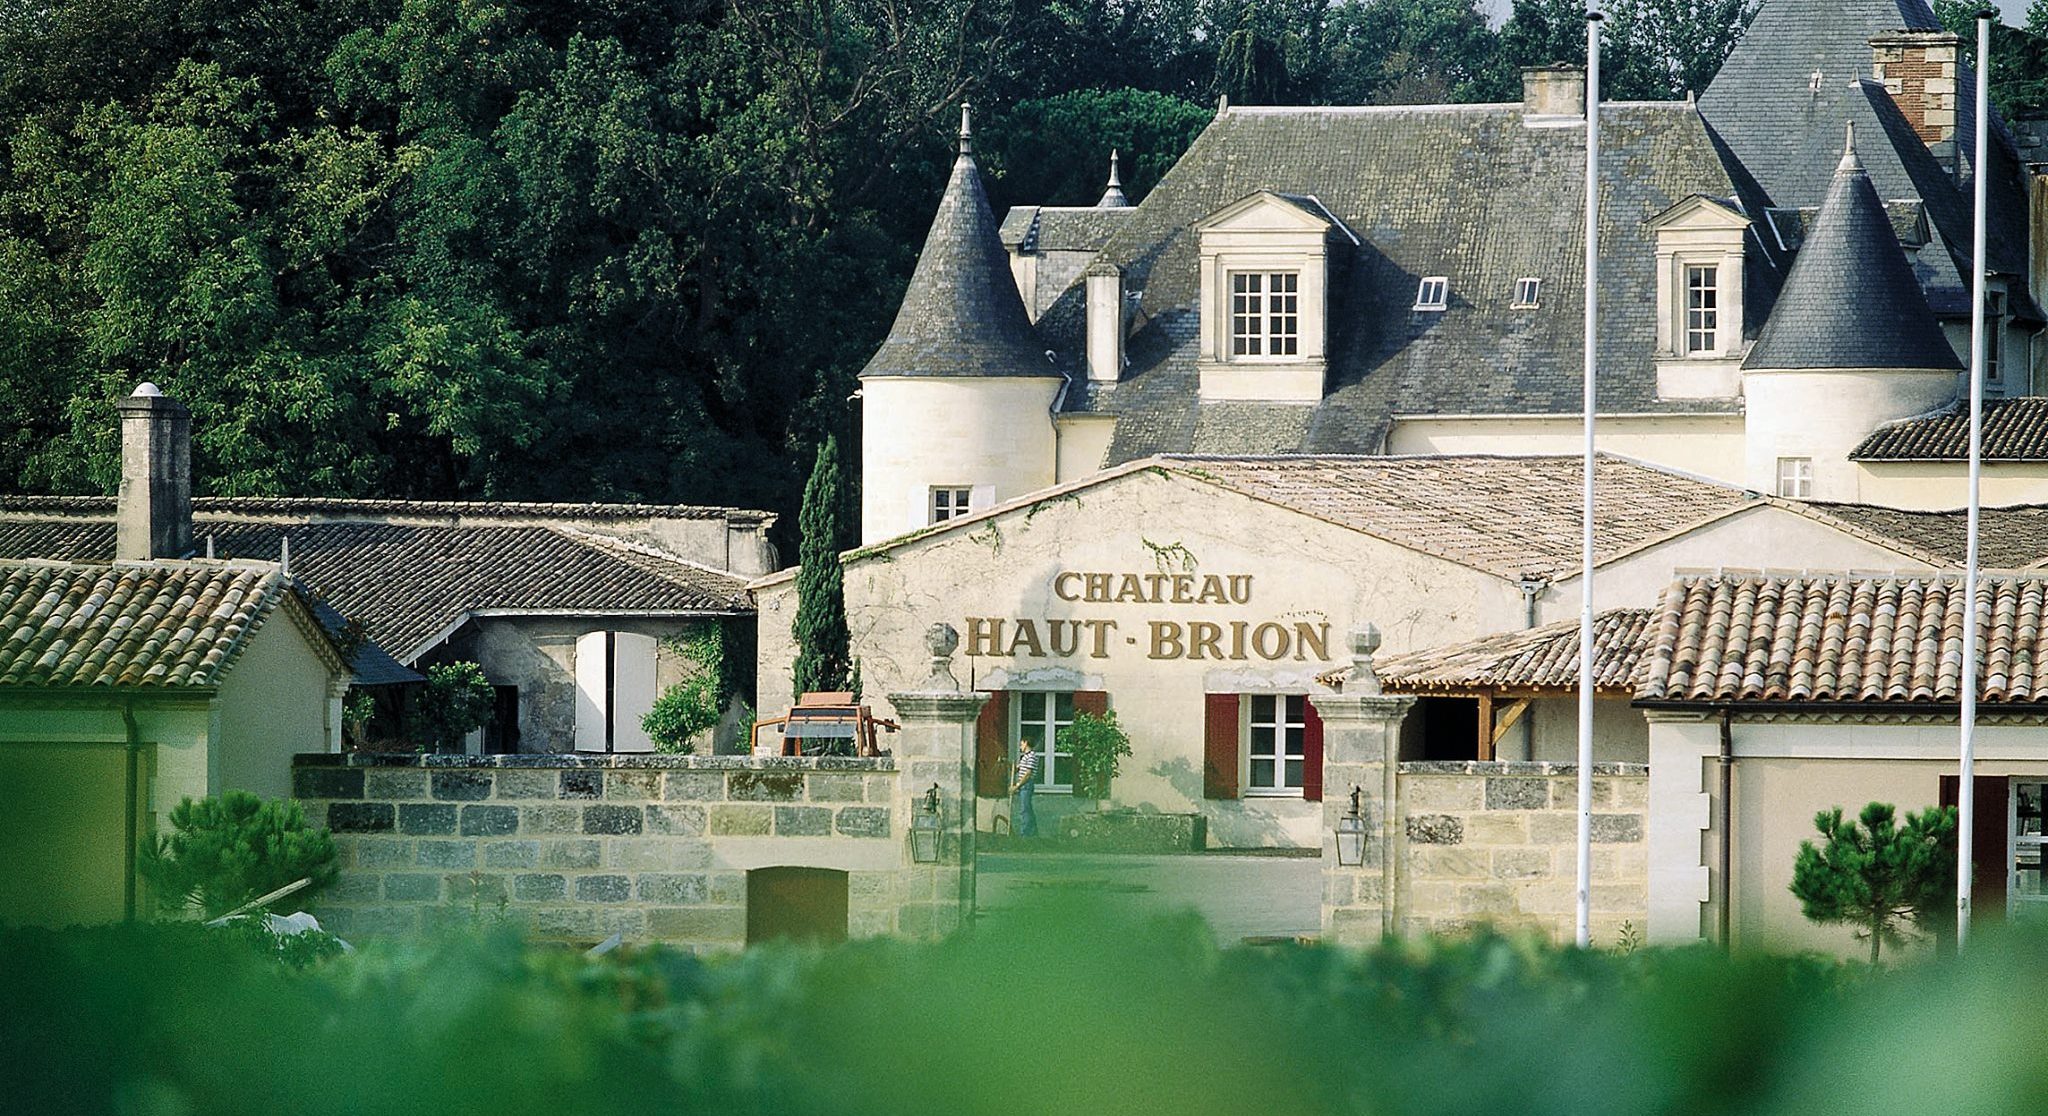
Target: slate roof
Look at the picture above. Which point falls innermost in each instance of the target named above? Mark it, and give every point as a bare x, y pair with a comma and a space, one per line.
1505, 515
1534, 660
2014, 430
409, 584
1463, 191
961, 314
1047, 228
1843, 638
1763, 104
158, 625
1851, 300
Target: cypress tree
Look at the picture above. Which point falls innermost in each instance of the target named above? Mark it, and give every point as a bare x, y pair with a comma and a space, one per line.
823, 658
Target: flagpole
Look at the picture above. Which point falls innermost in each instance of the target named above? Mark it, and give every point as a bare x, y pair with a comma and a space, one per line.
1585, 876
1966, 787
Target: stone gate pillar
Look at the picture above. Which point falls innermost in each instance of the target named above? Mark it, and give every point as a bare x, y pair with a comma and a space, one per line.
1361, 751
935, 748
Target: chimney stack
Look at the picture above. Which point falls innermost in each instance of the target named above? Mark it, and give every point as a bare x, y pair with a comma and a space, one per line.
1103, 286
1555, 93
154, 512
1919, 69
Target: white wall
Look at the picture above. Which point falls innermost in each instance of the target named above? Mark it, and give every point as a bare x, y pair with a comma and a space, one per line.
1705, 445
993, 432
272, 705
1944, 485
1826, 414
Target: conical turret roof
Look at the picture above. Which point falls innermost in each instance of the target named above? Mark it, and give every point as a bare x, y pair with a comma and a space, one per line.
961, 315
1851, 300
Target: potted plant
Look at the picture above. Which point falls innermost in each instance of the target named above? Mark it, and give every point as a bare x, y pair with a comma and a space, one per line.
1098, 745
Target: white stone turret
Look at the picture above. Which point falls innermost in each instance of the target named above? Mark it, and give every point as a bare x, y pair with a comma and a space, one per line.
958, 400
1851, 344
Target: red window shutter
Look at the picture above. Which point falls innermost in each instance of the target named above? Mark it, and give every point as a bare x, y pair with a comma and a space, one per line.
1987, 843
1311, 752
992, 746
1219, 746
1094, 702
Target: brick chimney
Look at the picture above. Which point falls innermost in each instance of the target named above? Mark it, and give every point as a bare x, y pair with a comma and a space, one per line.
153, 517
1554, 93
1918, 69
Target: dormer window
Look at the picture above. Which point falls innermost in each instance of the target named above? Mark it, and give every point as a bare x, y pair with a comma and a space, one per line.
1264, 298
1526, 290
1265, 313
1702, 308
1433, 294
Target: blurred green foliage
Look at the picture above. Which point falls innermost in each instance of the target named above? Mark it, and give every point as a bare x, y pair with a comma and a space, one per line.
1051, 1011
455, 701
222, 852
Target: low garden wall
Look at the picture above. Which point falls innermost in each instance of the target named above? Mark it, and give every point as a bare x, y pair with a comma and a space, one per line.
1498, 843
577, 848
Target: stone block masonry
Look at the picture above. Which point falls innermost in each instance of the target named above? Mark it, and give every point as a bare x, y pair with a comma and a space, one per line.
1497, 843
576, 848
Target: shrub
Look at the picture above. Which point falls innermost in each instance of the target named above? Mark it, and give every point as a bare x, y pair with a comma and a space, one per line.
1874, 875
695, 704
454, 702
223, 852
1099, 745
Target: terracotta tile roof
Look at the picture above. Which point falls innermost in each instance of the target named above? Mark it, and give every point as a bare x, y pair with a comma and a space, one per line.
159, 624
408, 584
1506, 515
1893, 639
1545, 658
2014, 430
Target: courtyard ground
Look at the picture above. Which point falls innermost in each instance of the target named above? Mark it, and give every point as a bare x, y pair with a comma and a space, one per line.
1240, 896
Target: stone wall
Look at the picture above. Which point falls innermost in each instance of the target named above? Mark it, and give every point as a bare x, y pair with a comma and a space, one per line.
1497, 843
576, 848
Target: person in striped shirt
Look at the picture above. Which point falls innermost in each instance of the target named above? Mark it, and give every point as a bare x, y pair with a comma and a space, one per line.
1023, 822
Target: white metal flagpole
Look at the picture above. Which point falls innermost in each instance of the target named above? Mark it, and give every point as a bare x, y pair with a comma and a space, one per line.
1966, 787
1585, 889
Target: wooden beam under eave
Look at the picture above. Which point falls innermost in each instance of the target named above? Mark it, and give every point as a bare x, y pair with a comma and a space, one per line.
1511, 714
1487, 737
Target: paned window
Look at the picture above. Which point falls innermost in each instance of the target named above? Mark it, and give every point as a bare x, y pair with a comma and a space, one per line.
1276, 744
2025, 894
1795, 477
1994, 313
1526, 290
949, 502
1040, 717
1702, 307
1433, 294
1265, 313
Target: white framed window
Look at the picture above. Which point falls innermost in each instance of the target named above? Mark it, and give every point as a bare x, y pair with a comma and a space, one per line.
1527, 288
1434, 293
1276, 743
949, 502
2026, 895
1795, 477
1265, 313
1702, 307
1041, 715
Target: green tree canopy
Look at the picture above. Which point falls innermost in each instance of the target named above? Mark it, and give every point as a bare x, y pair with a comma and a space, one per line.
823, 658
1876, 876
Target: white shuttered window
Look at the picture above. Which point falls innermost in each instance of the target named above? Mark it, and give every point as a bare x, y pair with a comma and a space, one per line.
614, 690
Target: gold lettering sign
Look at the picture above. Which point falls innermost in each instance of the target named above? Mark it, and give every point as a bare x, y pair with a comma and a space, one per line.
1195, 640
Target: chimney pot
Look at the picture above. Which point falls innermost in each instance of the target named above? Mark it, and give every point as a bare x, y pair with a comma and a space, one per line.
1553, 94
153, 517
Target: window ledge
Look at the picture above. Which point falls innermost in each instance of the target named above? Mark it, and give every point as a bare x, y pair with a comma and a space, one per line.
1258, 792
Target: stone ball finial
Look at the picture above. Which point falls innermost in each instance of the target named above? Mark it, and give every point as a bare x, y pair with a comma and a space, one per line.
941, 640
146, 389
1365, 640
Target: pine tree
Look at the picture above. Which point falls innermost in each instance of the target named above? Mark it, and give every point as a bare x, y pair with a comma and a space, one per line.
823, 658
1874, 875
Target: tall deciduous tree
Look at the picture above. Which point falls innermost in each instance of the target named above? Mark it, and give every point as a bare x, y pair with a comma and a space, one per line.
1876, 876
823, 657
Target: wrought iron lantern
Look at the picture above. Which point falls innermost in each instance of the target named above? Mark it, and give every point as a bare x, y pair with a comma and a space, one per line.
924, 828
1351, 833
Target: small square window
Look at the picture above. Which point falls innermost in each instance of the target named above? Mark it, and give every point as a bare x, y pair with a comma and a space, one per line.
1795, 477
1265, 313
1702, 308
950, 502
1526, 290
1433, 294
